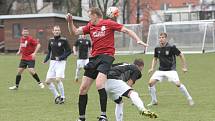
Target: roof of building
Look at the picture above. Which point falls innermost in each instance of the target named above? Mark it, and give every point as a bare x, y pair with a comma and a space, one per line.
43, 15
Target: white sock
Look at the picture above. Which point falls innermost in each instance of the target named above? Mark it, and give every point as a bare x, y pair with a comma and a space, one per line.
77, 73
183, 89
119, 112
152, 92
137, 101
53, 89
61, 88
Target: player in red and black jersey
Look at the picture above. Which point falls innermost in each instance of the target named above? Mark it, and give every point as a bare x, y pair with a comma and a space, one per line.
28, 49
102, 35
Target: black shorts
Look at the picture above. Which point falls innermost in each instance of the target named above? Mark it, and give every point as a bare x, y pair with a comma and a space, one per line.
101, 63
27, 63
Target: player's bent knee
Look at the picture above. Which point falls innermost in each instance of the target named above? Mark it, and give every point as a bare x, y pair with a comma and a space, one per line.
59, 79
83, 90
152, 83
31, 71
48, 81
118, 101
178, 84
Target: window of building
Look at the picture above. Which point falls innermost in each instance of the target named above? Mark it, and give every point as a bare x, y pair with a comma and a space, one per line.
164, 6
168, 17
175, 17
194, 16
205, 15
17, 30
184, 16
40, 34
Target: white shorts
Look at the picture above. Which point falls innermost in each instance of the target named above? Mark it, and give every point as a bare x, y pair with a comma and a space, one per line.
171, 76
116, 88
56, 69
82, 62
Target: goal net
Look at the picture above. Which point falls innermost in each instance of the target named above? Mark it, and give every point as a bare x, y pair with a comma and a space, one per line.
124, 44
189, 36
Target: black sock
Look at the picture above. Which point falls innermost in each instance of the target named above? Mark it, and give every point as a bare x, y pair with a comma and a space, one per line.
18, 78
36, 78
103, 99
82, 104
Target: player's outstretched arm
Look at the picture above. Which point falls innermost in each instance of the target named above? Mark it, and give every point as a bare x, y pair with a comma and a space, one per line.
19, 51
74, 50
154, 63
48, 54
183, 62
134, 36
71, 27
36, 50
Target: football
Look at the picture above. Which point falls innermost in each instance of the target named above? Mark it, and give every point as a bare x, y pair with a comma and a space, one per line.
112, 12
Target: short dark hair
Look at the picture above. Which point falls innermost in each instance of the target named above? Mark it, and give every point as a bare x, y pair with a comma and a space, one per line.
96, 10
139, 62
163, 33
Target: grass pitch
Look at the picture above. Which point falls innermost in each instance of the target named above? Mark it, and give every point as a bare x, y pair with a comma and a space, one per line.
30, 103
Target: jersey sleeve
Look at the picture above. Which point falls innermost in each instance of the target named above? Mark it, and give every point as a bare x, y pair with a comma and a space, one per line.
156, 52
115, 26
176, 51
67, 51
90, 45
76, 43
67, 46
49, 52
136, 74
86, 29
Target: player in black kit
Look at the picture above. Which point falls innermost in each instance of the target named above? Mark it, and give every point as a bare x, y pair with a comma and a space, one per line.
166, 53
81, 49
121, 77
58, 51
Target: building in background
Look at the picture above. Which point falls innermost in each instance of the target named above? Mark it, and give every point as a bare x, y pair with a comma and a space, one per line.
2, 38
40, 27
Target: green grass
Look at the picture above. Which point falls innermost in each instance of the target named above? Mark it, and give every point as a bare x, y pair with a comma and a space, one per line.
30, 103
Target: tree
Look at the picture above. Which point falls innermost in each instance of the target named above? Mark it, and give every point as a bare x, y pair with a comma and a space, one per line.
5, 6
